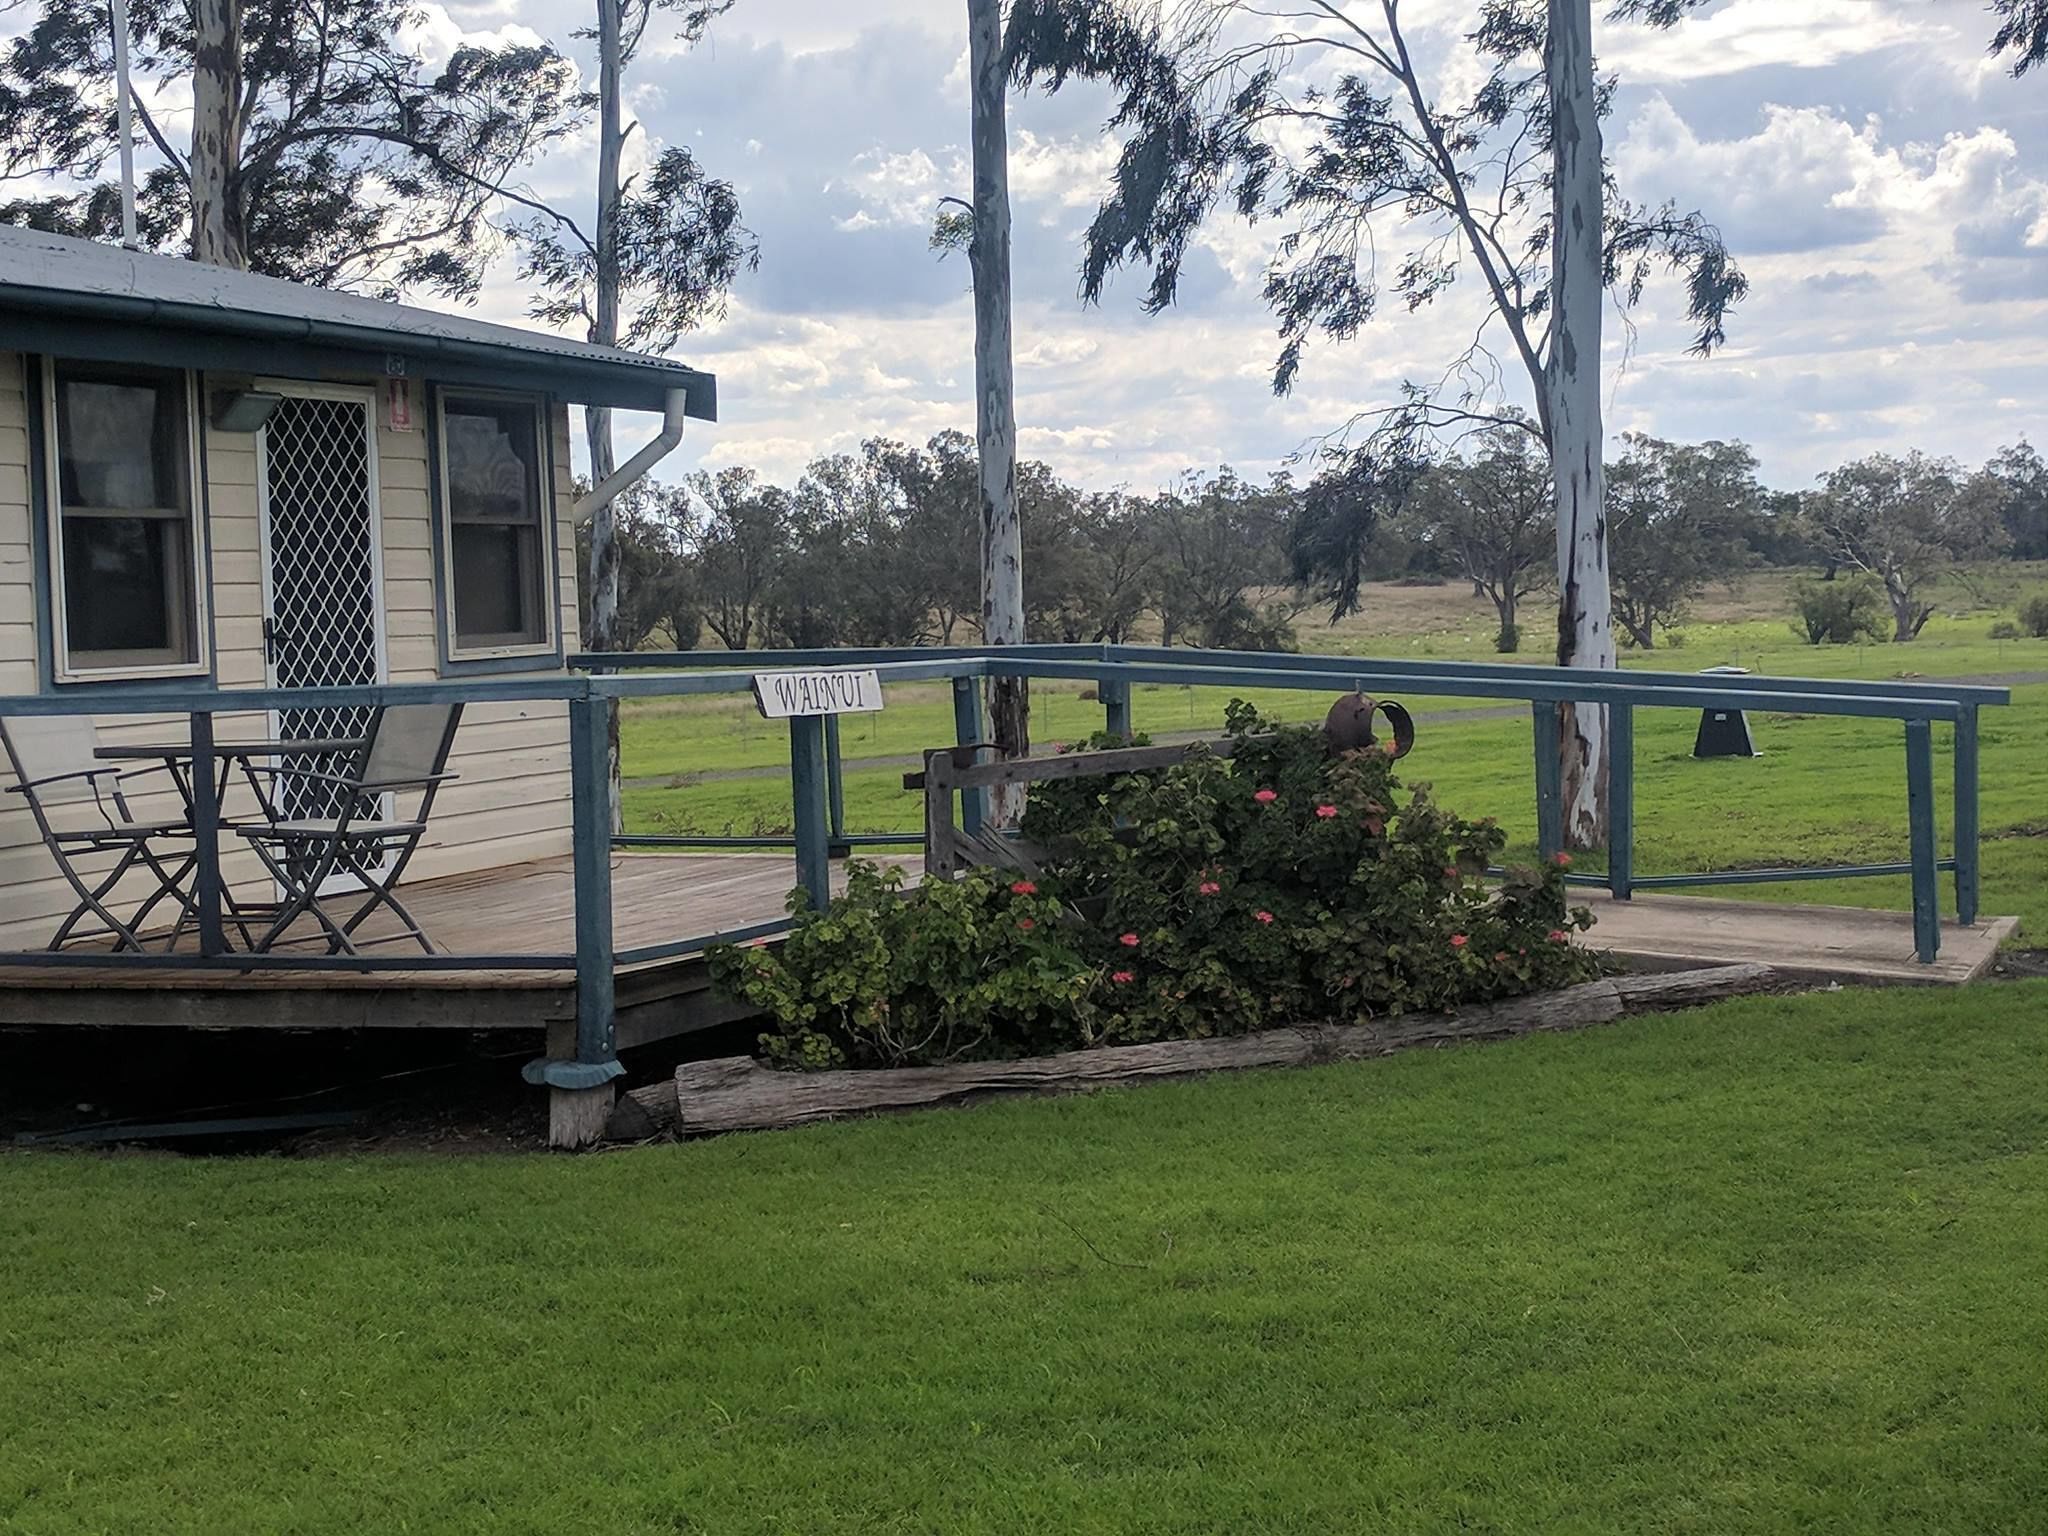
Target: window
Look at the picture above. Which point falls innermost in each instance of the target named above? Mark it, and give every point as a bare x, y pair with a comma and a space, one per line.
497, 543
124, 578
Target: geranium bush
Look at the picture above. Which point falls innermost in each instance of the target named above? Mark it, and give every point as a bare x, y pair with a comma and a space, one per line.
1286, 884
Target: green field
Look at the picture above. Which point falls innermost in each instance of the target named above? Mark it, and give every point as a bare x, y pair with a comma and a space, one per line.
1771, 1266
1826, 790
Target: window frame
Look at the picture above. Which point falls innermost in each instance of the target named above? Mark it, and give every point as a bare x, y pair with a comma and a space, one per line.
546, 580
125, 666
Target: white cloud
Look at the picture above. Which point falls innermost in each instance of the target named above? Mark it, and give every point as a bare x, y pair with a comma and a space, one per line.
1748, 34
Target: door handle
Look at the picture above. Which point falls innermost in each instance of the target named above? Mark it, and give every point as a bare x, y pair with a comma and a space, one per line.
273, 637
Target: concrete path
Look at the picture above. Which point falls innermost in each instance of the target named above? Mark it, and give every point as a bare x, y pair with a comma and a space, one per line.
1813, 943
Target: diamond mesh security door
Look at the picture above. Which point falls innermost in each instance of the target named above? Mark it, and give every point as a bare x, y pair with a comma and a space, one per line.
325, 621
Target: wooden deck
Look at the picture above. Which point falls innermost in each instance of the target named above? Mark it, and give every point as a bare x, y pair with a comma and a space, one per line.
529, 908
520, 909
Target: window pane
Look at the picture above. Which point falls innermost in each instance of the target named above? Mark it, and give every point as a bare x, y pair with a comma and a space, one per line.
496, 586
493, 462
124, 587
118, 442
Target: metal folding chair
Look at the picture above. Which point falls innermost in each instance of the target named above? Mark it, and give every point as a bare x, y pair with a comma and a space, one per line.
404, 751
59, 774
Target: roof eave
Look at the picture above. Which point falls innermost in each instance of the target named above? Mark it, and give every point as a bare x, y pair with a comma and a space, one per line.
636, 384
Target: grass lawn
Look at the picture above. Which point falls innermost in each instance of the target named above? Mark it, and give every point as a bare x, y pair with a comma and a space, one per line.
1771, 1266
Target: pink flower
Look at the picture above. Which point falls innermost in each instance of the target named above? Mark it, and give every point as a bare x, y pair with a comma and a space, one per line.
1326, 811
1023, 888
1026, 924
1562, 860
1266, 797
1500, 957
1559, 936
1450, 871
1128, 940
1123, 978
1459, 941
1264, 917
1208, 887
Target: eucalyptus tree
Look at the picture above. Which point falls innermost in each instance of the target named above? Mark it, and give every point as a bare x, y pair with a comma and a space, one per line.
324, 148
995, 404
1677, 517
1906, 522
2022, 32
658, 259
1318, 116
1492, 515
743, 537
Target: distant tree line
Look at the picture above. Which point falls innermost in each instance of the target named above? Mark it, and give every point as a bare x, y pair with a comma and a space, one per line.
881, 547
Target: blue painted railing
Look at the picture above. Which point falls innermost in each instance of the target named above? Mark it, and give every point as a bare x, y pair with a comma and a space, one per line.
818, 818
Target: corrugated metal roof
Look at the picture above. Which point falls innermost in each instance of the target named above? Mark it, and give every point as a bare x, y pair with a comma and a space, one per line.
44, 276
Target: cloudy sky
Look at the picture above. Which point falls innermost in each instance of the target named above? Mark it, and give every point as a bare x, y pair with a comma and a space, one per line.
1884, 185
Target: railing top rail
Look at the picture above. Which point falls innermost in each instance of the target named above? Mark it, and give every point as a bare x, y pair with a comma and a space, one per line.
1961, 693
1107, 660
695, 672
838, 656
1560, 686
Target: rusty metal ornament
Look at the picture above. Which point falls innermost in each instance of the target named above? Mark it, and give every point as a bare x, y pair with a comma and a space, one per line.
1349, 725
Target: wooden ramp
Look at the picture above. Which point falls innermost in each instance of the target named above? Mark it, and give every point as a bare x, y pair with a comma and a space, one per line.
1813, 943
529, 908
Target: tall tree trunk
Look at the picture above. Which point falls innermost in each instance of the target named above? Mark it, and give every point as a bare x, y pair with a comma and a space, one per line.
1585, 624
216, 156
603, 574
995, 410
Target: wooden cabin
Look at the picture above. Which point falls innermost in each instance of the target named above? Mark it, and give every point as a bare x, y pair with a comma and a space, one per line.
213, 478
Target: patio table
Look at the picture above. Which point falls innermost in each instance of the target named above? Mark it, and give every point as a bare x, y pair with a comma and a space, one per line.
177, 758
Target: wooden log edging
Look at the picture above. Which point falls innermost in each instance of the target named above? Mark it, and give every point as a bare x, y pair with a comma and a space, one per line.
737, 1093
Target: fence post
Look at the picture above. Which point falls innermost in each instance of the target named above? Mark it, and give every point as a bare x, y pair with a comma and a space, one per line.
807, 794
1920, 822
1549, 780
968, 732
206, 835
1116, 707
1621, 800
835, 791
1966, 814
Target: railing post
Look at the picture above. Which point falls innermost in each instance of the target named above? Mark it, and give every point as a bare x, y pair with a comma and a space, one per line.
1549, 780
1920, 823
1621, 800
580, 1087
967, 731
807, 796
835, 791
1966, 814
206, 835
1116, 707
596, 1041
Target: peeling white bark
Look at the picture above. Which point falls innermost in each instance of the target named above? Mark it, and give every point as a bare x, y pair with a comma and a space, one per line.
216, 133
995, 414
1585, 620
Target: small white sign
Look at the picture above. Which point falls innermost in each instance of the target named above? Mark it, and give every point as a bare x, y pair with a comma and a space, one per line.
782, 694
